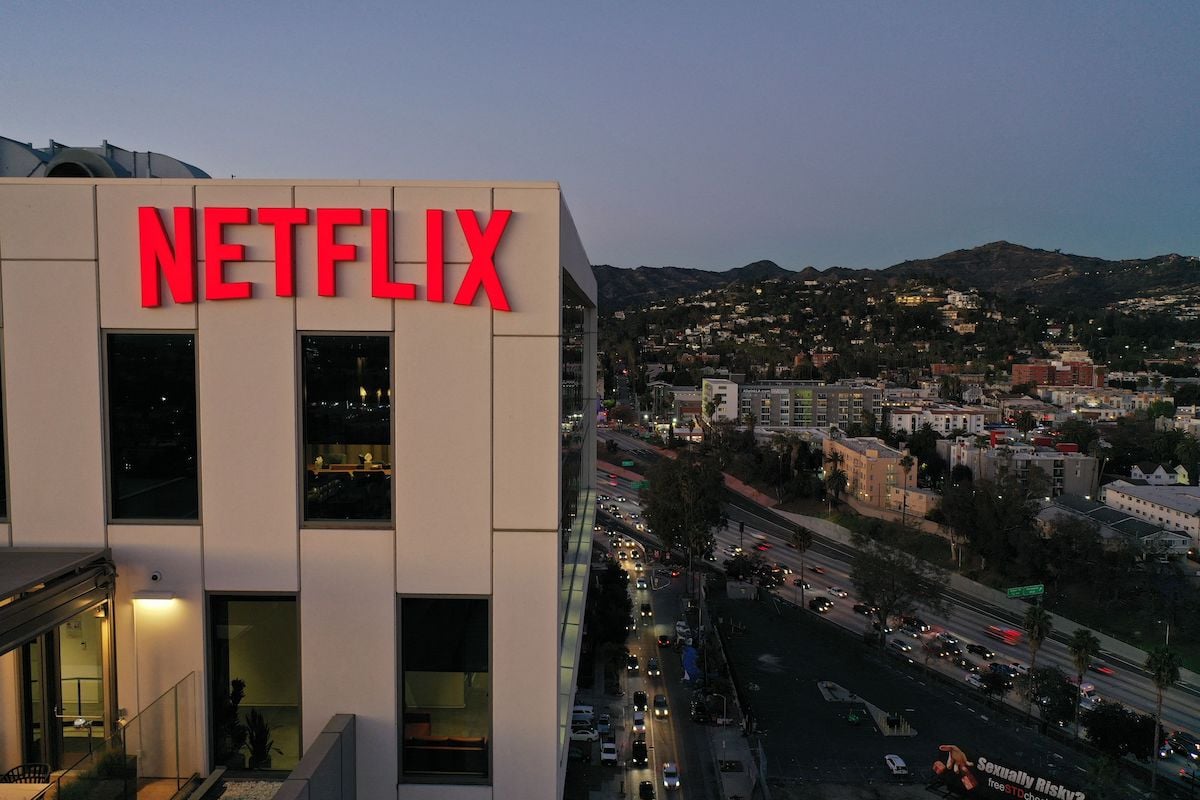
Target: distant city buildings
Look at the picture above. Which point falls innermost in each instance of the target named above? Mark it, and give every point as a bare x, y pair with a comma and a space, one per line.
1058, 373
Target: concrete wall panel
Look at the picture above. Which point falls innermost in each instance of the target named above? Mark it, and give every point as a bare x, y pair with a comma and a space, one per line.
348, 645
347, 311
442, 494
117, 206
52, 394
527, 261
526, 442
249, 490
409, 223
50, 221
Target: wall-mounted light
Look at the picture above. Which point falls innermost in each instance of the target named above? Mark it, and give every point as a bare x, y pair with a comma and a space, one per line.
153, 598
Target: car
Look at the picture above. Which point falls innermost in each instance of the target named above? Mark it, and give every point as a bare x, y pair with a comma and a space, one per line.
896, 765
820, 604
1102, 668
784, 568
981, 651
899, 644
1189, 775
676, 572
639, 722
631, 663
604, 725
609, 753
637, 565
660, 706
973, 680
597, 527
864, 609
909, 630
838, 591
762, 547
664, 640
946, 637
621, 554
916, 622
646, 790
621, 498
647, 611
803, 584
965, 663
642, 583
584, 735
635, 555
640, 701
817, 569
1185, 744
652, 668
670, 776
888, 628
637, 752
631, 623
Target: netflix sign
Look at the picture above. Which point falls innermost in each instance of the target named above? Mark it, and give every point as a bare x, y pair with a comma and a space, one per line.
173, 262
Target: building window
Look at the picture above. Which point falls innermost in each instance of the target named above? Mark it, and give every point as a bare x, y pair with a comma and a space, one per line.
254, 644
152, 426
445, 686
347, 427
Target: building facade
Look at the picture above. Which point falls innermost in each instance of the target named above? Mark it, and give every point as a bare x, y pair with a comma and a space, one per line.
1175, 508
809, 404
943, 418
873, 472
235, 395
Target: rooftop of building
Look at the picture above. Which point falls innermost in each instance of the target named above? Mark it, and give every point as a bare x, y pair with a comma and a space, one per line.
1185, 499
868, 446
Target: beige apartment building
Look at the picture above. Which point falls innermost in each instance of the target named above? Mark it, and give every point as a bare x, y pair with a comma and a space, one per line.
873, 472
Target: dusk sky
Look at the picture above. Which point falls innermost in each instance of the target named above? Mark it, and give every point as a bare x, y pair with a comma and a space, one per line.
691, 134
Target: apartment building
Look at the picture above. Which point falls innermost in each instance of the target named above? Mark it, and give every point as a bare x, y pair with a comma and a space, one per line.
719, 400
873, 472
944, 418
1059, 373
311, 448
1176, 508
809, 404
1066, 472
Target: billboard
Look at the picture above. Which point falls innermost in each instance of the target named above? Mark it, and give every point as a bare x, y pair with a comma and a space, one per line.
989, 777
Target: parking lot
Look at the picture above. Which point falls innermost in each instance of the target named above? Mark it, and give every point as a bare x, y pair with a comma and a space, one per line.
782, 654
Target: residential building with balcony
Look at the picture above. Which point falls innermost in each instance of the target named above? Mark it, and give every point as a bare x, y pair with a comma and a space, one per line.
943, 418
1066, 472
873, 472
810, 404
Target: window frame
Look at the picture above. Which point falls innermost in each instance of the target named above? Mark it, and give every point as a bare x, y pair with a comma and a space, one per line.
107, 436
301, 463
447, 779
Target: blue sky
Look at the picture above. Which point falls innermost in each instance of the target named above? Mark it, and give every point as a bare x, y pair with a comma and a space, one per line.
691, 134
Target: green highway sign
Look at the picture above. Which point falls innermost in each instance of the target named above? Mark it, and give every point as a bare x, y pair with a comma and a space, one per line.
1027, 591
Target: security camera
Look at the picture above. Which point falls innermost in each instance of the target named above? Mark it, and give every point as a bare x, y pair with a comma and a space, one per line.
156, 576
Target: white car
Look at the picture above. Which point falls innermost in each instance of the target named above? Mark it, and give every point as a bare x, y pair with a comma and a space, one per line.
896, 765
838, 591
584, 735
973, 680
670, 776
609, 753
642, 583
639, 722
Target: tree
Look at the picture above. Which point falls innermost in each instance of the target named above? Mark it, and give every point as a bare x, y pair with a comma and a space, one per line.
1083, 646
742, 567
1025, 423
1163, 666
906, 464
683, 504
995, 685
802, 539
895, 583
1055, 695
1115, 730
1037, 624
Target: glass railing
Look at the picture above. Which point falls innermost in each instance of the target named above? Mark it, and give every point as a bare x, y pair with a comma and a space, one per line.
152, 755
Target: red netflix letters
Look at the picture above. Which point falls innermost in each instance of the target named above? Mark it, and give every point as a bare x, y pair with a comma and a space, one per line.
175, 261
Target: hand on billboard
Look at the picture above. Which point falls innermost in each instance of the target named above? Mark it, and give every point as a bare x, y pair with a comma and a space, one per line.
958, 763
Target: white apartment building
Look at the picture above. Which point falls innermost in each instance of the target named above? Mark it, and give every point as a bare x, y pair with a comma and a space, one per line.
1175, 508
290, 450
942, 417
719, 400
1067, 473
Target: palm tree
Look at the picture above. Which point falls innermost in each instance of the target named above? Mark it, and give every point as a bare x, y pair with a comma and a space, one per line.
1084, 646
802, 539
1037, 627
1163, 666
906, 464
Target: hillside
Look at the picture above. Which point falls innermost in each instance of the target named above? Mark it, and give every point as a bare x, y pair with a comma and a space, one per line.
1051, 277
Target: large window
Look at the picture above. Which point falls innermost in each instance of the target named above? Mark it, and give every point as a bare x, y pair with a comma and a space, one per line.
446, 687
152, 426
254, 692
347, 428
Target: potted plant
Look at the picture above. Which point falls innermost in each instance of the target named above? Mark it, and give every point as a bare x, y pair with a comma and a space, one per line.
231, 738
258, 741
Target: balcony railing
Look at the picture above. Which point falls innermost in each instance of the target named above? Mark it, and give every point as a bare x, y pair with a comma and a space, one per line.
155, 754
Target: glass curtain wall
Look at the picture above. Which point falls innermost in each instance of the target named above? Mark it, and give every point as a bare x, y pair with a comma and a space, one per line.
255, 682
152, 426
347, 427
446, 687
